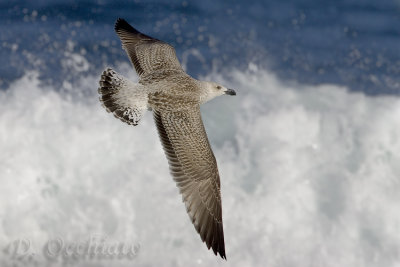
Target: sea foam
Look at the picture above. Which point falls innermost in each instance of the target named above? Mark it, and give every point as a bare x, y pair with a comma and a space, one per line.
309, 176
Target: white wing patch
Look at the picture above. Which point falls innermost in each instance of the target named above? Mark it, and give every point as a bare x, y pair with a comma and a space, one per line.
132, 115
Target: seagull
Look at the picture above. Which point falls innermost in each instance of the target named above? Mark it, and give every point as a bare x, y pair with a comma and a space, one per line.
174, 98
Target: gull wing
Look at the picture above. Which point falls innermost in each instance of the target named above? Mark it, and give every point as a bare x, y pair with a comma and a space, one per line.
147, 54
194, 169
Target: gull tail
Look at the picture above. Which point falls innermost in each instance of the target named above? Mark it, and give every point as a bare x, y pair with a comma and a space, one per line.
125, 99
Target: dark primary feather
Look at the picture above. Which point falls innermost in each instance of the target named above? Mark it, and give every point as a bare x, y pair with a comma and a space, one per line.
147, 54
122, 25
194, 168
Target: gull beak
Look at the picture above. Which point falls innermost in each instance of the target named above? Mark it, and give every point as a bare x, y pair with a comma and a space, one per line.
230, 92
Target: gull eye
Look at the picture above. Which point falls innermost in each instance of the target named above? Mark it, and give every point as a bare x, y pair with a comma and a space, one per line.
218, 87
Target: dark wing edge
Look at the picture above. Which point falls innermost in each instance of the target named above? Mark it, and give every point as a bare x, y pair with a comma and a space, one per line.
130, 37
146, 53
122, 25
201, 196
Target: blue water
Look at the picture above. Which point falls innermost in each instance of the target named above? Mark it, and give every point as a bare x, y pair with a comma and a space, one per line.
352, 43
308, 150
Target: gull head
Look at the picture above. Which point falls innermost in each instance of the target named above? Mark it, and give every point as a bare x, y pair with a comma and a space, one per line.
212, 89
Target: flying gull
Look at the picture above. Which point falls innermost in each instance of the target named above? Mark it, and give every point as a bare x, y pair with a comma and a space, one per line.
175, 99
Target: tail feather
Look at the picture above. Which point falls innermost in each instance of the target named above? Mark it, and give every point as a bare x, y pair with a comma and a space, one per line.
125, 99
